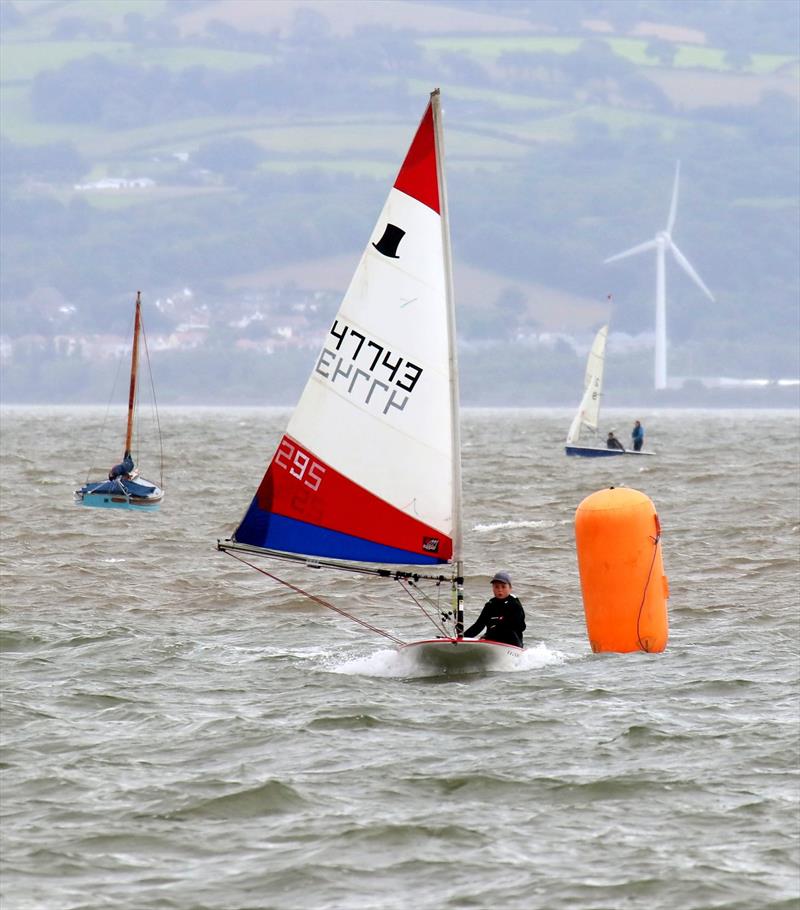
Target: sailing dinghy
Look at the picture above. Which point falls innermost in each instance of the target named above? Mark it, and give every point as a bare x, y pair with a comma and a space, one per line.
369, 469
124, 488
589, 409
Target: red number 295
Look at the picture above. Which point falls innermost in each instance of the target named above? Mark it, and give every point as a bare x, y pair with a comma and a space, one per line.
300, 465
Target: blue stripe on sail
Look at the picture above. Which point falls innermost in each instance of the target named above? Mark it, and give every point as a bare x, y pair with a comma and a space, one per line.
276, 532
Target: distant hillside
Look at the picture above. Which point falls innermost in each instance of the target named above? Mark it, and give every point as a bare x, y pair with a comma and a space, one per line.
486, 301
233, 148
345, 17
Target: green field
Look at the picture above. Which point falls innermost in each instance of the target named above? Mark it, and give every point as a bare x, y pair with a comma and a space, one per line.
42, 16
119, 200
688, 56
332, 141
23, 61
506, 122
511, 101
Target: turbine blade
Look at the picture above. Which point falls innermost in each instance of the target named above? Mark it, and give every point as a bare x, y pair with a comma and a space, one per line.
648, 245
684, 263
673, 207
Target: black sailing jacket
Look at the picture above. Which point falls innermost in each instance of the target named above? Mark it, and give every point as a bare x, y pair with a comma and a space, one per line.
504, 620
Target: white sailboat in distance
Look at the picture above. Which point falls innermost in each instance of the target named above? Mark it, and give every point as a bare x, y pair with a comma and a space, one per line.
587, 416
369, 469
661, 243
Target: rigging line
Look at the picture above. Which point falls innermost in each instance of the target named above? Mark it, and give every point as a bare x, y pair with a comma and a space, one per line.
655, 540
136, 441
421, 607
101, 434
319, 600
434, 604
155, 408
438, 626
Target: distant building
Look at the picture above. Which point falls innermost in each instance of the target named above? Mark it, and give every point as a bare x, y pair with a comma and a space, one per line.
118, 183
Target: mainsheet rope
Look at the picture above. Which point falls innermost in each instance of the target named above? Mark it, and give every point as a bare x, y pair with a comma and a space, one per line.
320, 601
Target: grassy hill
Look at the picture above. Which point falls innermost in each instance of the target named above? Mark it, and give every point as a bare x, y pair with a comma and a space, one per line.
181, 39
270, 131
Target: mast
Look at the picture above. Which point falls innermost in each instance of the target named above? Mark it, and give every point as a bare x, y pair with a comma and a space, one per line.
455, 426
134, 366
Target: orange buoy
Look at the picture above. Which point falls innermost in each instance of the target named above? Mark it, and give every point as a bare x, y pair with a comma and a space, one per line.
625, 591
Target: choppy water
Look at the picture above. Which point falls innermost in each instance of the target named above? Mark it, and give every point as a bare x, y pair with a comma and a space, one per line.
180, 732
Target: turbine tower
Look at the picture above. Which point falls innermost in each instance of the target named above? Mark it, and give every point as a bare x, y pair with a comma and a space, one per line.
661, 243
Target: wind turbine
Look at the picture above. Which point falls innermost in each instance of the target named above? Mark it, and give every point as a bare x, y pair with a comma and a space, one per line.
661, 243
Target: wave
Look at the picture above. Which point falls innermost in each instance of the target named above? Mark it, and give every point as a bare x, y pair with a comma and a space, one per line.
268, 798
514, 525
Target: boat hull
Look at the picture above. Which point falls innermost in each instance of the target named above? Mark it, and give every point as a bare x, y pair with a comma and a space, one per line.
139, 496
598, 452
462, 655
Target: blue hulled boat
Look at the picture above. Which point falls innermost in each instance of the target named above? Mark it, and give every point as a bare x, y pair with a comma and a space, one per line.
124, 488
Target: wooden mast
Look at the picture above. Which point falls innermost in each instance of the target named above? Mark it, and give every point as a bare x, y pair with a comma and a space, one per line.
134, 366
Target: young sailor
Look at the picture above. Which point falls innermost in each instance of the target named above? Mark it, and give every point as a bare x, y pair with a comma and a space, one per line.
502, 616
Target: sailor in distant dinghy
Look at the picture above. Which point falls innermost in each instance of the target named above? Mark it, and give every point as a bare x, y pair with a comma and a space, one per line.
124, 469
613, 443
637, 435
502, 616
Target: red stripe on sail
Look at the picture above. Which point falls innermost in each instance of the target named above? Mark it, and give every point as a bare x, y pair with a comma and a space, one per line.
418, 176
298, 485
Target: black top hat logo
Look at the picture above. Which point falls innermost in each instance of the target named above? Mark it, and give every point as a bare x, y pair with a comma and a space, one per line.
390, 241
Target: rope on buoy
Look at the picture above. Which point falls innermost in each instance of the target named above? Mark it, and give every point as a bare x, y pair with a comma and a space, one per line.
656, 541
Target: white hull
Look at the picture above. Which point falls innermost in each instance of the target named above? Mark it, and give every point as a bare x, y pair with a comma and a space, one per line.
464, 655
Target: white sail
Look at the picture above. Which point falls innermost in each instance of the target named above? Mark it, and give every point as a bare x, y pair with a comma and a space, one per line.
369, 468
589, 409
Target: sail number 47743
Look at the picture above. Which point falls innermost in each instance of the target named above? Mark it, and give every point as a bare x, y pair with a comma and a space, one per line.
360, 369
299, 464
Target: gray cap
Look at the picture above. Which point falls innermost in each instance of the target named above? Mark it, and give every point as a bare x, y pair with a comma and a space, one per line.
502, 576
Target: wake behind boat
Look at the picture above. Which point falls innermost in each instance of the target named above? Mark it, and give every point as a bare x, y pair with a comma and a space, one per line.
588, 413
124, 488
369, 469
